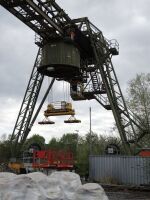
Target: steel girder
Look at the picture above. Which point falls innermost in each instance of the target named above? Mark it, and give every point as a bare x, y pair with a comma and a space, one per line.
46, 18
25, 121
19, 134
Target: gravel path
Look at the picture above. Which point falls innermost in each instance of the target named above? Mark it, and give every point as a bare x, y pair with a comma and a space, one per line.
134, 195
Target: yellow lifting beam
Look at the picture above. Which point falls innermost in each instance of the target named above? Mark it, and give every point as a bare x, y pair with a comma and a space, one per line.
59, 108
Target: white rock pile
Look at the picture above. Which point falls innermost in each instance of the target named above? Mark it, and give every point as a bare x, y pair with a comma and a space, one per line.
57, 186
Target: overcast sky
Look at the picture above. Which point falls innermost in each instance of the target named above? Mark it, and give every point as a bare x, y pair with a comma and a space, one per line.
127, 21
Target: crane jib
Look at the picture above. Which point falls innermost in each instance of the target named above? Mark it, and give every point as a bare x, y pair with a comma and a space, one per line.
46, 20
37, 15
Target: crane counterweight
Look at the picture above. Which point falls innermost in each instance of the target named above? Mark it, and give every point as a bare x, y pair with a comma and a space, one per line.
60, 59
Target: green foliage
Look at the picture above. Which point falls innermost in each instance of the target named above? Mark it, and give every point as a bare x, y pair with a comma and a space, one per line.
139, 96
77, 144
53, 144
69, 141
139, 103
82, 160
38, 139
5, 152
98, 143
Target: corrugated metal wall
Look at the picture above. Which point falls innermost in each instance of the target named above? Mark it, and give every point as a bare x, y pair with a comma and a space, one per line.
129, 170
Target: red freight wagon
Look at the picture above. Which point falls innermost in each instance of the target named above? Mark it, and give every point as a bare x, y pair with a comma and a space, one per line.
53, 159
145, 152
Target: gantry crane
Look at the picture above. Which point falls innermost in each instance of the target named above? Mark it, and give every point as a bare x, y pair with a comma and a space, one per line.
73, 50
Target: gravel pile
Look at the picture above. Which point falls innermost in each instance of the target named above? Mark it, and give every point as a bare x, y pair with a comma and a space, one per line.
57, 186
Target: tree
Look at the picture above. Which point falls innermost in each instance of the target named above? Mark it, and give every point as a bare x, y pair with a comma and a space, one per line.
139, 100
53, 144
35, 139
82, 159
5, 152
96, 142
69, 141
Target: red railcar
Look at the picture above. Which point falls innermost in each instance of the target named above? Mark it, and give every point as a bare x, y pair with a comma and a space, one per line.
145, 152
53, 159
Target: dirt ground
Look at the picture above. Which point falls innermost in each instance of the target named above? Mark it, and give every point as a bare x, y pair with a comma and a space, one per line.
129, 195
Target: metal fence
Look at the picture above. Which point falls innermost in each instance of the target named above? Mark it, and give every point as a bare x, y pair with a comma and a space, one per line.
128, 170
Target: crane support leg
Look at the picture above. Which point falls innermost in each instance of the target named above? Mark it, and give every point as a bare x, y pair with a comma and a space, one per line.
27, 106
114, 95
38, 110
